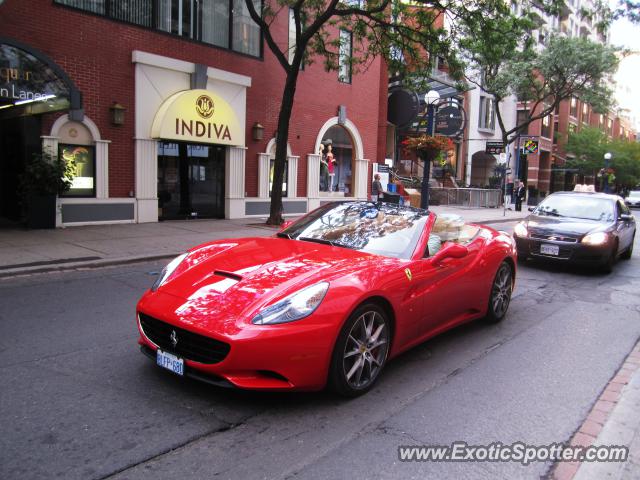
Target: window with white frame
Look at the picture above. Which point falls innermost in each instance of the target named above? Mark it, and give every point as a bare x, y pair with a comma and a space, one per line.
573, 107
487, 118
344, 59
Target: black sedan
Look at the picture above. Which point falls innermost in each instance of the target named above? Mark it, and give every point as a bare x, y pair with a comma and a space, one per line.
583, 228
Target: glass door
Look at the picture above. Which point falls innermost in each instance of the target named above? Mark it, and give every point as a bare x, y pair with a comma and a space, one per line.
190, 181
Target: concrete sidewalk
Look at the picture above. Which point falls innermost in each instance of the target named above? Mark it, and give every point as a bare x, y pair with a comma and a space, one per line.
34, 251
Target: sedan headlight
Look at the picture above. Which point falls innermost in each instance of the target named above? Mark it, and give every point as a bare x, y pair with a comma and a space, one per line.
520, 230
166, 271
597, 238
294, 307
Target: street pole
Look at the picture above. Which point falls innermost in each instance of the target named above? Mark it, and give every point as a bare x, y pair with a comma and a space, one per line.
607, 157
431, 98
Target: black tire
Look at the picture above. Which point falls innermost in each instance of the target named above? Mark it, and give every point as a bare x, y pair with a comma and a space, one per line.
629, 251
500, 297
607, 266
356, 364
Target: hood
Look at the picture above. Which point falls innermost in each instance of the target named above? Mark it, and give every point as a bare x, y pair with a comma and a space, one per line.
225, 281
571, 226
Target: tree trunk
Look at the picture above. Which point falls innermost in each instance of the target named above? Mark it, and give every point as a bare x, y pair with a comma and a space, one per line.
275, 212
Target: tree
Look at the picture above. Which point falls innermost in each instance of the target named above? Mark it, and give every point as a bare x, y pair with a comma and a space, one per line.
400, 32
588, 147
503, 61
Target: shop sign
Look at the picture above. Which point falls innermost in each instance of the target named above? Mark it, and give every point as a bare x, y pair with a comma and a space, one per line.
28, 85
494, 148
530, 146
197, 116
450, 120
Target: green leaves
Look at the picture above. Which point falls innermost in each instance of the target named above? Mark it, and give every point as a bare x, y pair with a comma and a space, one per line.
588, 146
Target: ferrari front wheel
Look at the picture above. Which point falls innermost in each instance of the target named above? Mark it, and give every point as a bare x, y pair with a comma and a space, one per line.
501, 290
361, 351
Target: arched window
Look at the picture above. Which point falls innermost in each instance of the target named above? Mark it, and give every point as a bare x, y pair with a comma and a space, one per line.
337, 164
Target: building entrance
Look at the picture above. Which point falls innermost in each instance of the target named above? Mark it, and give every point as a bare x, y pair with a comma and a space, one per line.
190, 180
19, 140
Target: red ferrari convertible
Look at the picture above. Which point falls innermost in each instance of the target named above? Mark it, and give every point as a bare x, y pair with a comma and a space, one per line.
327, 301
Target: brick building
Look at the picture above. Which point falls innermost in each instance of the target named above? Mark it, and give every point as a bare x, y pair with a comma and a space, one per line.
170, 111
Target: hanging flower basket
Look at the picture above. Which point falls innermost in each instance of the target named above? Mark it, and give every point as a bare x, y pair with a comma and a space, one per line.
424, 143
427, 147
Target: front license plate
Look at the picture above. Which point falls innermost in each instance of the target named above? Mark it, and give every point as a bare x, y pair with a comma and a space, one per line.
547, 249
170, 362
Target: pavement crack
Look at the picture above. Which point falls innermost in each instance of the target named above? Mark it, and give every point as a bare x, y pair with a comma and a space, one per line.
195, 439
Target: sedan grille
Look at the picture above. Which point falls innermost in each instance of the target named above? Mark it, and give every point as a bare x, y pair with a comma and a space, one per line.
554, 237
183, 343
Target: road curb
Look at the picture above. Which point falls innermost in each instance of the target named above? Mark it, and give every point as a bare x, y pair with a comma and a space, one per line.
67, 265
595, 421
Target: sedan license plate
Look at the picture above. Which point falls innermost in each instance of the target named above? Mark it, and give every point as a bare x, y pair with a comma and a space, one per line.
170, 362
547, 249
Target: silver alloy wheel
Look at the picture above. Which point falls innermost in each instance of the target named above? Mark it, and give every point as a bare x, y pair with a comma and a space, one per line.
501, 291
365, 350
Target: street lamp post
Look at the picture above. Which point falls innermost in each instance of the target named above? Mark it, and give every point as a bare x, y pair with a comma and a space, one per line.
605, 183
431, 99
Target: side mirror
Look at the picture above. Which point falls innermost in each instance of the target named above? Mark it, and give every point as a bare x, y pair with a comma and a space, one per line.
625, 217
453, 250
531, 209
285, 225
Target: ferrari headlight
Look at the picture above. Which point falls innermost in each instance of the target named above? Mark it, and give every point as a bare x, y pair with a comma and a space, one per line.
295, 307
597, 238
166, 271
520, 230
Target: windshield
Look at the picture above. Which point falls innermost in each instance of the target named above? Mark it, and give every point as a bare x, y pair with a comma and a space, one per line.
378, 228
634, 194
577, 206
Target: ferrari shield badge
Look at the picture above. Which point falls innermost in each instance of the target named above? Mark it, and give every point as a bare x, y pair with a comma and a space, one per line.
408, 273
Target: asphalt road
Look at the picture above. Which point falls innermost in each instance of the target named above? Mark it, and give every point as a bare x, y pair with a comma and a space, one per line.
79, 401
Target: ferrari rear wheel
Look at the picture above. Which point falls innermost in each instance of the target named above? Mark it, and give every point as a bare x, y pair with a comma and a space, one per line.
361, 351
500, 294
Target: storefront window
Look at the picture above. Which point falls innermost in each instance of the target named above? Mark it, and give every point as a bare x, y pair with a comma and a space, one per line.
285, 178
336, 166
82, 160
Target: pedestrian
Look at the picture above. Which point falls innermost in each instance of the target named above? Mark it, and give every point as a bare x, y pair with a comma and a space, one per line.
521, 192
376, 188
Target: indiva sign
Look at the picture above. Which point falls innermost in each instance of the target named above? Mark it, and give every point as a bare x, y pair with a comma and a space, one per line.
200, 129
200, 116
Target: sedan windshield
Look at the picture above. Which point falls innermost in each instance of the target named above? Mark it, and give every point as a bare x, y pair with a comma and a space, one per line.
577, 206
378, 228
634, 194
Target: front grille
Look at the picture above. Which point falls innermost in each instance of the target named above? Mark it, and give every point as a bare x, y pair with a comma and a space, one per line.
190, 345
554, 237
